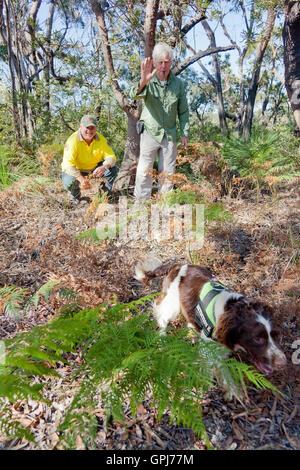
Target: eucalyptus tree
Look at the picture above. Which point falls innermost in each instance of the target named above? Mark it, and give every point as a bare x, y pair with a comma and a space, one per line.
145, 22
17, 20
272, 89
291, 40
257, 18
38, 52
247, 111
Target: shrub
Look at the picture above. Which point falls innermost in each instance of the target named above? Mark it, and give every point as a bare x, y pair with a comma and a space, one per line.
263, 159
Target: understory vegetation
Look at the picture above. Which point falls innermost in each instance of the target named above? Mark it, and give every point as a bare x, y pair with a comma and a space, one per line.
122, 358
107, 350
82, 365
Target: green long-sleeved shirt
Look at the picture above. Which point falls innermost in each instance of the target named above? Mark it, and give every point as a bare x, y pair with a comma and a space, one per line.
161, 106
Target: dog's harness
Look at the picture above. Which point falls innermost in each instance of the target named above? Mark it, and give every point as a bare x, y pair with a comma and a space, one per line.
205, 308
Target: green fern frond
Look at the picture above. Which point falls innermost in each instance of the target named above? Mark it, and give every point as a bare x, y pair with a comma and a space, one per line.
43, 292
13, 297
30, 366
12, 387
124, 359
89, 235
67, 293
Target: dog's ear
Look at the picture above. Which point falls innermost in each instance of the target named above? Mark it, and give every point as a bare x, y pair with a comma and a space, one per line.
263, 309
228, 331
233, 335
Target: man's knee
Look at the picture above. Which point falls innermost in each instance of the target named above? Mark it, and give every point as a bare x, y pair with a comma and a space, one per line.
109, 175
113, 171
71, 184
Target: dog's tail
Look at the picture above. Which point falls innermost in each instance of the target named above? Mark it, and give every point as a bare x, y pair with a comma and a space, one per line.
151, 268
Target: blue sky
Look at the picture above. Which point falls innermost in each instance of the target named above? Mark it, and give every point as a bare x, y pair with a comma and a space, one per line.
197, 37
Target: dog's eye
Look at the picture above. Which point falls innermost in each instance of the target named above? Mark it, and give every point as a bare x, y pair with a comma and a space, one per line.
259, 340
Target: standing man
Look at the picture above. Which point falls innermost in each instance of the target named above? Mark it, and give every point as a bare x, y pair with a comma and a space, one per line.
164, 98
87, 152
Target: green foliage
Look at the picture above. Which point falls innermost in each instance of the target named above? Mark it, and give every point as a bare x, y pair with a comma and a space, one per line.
205, 131
43, 292
3, 52
5, 178
262, 157
15, 164
123, 358
212, 210
13, 297
178, 196
95, 235
216, 212
16, 300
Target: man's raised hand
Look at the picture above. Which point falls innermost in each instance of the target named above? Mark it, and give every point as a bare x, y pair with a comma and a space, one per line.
146, 72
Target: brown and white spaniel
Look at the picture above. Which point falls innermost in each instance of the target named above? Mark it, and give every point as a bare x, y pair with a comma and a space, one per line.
220, 314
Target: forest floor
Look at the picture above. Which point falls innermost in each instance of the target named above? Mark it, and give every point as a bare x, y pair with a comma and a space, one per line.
253, 251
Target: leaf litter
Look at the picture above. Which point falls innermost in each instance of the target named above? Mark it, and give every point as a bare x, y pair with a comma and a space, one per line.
256, 252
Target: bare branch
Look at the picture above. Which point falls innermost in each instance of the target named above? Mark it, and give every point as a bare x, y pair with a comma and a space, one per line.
191, 60
275, 55
228, 35
192, 23
244, 14
204, 69
107, 56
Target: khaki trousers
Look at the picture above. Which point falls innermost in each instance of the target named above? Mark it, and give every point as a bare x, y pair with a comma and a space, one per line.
167, 153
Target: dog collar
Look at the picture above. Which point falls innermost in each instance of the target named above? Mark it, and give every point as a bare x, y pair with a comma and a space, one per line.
205, 308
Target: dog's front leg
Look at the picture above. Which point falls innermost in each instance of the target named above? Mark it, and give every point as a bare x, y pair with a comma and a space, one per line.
164, 311
225, 380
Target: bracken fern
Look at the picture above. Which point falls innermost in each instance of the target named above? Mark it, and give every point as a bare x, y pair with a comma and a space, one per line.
123, 359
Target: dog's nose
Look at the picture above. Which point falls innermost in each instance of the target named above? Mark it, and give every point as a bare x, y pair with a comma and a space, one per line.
279, 361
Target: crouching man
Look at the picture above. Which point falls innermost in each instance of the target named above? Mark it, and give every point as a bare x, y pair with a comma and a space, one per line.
86, 151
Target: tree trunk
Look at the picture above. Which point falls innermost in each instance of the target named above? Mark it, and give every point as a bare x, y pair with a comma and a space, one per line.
150, 26
132, 111
45, 105
217, 81
291, 42
22, 58
260, 52
7, 39
126, 175
249, 23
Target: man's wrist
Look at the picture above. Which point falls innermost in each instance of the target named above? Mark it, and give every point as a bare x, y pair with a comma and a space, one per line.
141, 86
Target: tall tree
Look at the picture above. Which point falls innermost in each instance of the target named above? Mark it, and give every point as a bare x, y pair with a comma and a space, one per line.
254, 37
291, 41
248, 107
32, 54
243, 117
131, 109
148, 36
216, 79
21, 59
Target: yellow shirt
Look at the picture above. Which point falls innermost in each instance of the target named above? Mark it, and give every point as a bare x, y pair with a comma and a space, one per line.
79, 156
